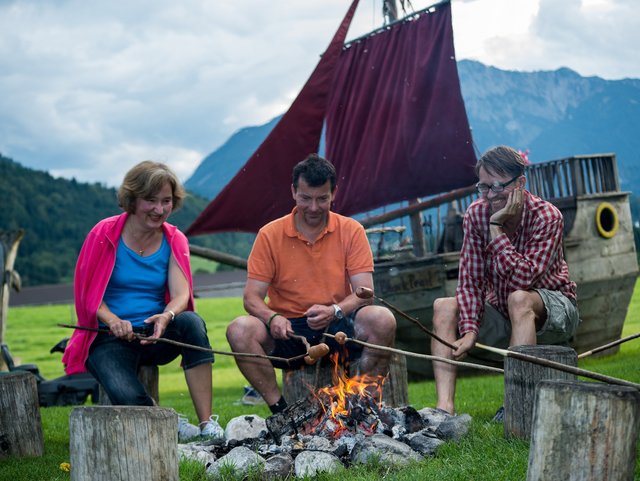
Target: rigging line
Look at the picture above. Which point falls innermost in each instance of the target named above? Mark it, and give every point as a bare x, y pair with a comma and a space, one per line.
430, 9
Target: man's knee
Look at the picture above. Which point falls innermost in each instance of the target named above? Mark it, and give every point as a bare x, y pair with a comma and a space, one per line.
241, 329
376, 320
445, 312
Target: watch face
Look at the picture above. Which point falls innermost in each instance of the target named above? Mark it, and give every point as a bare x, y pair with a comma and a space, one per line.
339, 313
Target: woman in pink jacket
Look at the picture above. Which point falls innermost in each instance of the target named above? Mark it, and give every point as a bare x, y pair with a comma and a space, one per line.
133, 275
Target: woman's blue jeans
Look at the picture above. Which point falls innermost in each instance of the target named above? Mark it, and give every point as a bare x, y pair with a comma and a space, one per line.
114, 362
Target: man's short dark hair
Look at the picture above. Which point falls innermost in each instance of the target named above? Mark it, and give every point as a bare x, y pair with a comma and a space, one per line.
501, 160
316, 171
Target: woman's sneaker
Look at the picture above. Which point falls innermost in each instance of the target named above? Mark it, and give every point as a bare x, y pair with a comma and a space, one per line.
211, 429
186, 430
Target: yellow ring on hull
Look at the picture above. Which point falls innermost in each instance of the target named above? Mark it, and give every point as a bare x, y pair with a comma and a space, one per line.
607, 220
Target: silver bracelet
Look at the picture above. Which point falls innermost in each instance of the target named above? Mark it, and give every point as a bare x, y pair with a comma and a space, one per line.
173, 314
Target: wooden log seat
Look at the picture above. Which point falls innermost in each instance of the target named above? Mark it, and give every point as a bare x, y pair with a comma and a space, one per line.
520, 380
118, 443
584, 431
20, 423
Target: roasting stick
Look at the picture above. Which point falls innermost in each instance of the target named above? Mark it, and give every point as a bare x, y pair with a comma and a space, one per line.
607, 346
341, 338
366, 293
313, 352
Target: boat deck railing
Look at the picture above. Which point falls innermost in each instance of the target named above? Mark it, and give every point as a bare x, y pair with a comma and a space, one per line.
559, 181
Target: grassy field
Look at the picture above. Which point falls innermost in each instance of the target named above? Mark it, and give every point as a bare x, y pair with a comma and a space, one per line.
483, 455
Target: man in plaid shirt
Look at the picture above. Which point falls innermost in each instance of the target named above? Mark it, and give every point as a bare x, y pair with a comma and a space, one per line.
513, 285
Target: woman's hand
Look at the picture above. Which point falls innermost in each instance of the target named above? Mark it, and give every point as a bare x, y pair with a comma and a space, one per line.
160, 323
122, 329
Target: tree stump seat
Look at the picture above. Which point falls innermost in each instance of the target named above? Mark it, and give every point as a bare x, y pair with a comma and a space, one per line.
20, 423
122, 443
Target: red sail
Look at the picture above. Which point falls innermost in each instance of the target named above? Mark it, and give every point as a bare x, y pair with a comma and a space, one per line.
397, 128
260, 191
395, 119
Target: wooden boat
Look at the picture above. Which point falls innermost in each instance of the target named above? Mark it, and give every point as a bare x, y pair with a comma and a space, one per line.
396, 130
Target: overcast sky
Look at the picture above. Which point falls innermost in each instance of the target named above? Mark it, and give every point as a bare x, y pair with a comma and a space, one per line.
89, 88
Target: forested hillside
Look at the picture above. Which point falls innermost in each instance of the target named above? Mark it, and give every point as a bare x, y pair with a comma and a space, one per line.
57, 214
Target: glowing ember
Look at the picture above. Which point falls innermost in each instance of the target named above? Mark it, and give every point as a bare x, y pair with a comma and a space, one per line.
352, 404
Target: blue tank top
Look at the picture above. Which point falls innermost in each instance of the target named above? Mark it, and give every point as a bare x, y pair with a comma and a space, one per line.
137, 286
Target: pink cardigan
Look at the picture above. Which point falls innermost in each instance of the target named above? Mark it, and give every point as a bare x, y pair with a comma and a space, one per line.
93, 271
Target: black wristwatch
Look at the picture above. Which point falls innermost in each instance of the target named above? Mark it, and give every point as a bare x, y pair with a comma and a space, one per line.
339, 315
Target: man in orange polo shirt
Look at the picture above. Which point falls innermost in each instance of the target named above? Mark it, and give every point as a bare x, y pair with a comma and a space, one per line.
309, 264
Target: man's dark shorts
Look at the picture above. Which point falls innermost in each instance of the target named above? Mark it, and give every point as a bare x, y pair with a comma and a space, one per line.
293, 347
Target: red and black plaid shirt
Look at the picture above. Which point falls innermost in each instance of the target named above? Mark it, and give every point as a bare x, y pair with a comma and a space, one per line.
490, 270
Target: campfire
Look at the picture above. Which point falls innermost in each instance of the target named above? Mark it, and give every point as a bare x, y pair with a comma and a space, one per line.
342, 424
351, 405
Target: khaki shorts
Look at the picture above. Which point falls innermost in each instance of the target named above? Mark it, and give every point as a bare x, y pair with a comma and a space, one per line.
560, 326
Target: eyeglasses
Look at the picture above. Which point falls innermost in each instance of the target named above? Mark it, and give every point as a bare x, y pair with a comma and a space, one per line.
496, 187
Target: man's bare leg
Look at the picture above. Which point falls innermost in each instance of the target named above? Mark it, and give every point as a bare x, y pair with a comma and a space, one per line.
527, 314
445, 324
248, 334
375, 325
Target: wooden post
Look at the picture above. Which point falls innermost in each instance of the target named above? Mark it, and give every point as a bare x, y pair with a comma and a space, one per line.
20, 424
148, 376
584, 431
297, 383
122, 443
520, 379
9, 242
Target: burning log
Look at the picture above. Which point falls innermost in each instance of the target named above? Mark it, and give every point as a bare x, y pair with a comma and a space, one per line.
289, 421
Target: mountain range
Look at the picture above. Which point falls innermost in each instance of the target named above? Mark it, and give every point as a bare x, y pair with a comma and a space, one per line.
552, 114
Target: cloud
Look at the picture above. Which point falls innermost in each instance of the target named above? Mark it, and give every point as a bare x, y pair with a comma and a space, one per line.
91, 88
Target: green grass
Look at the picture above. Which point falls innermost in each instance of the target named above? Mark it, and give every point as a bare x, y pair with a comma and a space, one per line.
483, 454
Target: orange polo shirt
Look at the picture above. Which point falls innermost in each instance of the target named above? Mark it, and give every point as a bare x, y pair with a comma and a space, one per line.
301, 273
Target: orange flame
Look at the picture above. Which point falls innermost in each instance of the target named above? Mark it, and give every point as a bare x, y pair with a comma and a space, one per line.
337, 401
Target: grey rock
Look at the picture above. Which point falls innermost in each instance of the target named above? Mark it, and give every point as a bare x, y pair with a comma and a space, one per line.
240, 458
245, 427
279, 466
388, 450
310, 463
432, 417
425, 445
454, 428
318, 443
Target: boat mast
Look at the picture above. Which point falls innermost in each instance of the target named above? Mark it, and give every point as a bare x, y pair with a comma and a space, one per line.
390, 13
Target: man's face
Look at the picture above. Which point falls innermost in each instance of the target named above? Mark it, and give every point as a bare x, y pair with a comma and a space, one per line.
498, 200
313, 202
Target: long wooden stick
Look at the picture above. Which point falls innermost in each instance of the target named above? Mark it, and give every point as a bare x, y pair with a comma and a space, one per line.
420, 356
189, 346
366, 293
610, 345
559, 366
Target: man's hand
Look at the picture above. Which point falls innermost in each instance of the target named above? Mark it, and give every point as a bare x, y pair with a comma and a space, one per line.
281, 328
463, 345
319, 316
510, 214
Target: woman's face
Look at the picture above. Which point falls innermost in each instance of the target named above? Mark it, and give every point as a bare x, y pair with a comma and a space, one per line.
154, 211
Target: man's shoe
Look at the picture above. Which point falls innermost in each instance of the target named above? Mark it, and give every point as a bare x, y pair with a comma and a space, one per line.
186, 430
252, 397
212, 429
499, 416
